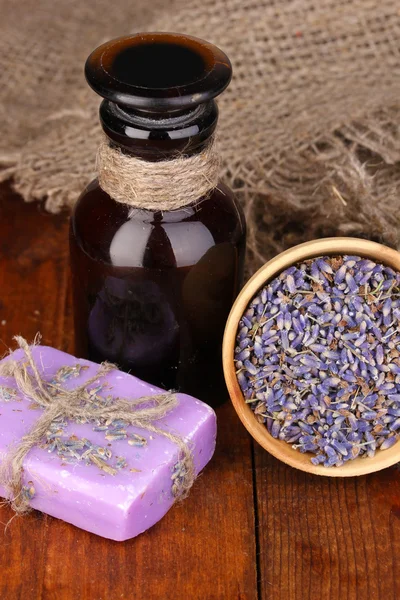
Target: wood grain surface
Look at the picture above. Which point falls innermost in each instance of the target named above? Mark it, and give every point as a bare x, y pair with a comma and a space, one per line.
252, 527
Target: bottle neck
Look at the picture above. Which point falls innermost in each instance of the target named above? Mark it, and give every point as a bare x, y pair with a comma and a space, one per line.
159, 136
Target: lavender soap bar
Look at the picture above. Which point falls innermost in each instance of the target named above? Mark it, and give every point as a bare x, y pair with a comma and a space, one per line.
103, 476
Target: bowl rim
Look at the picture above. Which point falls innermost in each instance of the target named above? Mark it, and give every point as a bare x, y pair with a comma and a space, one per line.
279, 448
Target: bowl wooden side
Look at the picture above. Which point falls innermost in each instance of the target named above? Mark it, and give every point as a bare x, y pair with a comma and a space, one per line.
278, 448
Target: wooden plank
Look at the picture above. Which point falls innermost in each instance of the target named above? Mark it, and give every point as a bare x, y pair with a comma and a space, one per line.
327, 538
203, 549
32, 298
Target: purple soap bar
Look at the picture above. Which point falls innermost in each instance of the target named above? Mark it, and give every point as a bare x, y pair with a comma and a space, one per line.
66, 485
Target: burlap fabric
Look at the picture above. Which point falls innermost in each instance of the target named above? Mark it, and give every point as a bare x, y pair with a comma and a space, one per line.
309, 128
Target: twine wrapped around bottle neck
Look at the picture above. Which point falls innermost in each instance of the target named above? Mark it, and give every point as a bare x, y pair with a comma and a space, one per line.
162, 185
76, 403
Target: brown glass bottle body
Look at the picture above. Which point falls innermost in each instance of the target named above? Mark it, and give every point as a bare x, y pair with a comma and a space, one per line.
152, 290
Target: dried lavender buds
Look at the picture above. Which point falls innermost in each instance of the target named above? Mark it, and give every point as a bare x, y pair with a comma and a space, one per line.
74, 449
318, 357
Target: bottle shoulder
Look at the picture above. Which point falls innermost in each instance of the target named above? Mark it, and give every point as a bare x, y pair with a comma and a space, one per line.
129, 237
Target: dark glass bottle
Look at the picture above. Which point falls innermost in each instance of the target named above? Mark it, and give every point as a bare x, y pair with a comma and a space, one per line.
152, 289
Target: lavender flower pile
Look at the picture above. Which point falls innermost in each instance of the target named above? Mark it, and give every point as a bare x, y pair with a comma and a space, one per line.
318, 357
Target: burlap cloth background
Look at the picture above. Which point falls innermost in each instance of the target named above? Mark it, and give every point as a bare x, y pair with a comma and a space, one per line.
309, 127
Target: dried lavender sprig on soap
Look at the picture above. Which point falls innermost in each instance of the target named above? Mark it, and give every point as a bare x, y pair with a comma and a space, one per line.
318, 357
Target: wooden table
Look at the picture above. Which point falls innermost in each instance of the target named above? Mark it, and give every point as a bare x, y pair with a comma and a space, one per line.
251, 528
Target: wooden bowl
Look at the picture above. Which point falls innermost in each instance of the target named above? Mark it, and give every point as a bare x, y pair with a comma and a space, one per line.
279, 448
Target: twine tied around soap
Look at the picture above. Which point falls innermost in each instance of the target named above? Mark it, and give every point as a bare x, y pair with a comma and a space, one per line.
71, 404
162, 185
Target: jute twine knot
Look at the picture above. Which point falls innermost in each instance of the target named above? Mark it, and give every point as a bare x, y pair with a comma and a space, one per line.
162, 185
75, 404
